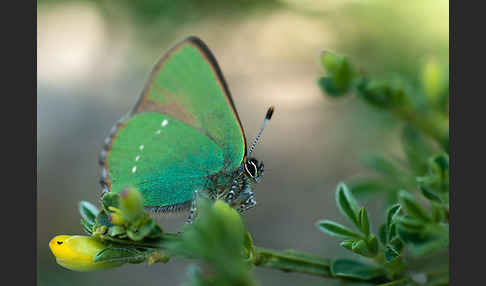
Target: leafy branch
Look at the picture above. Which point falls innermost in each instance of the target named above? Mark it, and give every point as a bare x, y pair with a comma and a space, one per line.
409, 246
411, 232
217, 237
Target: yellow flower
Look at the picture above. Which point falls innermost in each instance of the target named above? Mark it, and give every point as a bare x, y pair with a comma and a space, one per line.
76, 252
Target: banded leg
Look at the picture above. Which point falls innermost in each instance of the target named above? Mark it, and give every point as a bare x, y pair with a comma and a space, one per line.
232, 192
193, 210
247, 205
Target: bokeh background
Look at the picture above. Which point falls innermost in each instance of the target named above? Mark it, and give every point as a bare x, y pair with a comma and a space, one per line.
93, 58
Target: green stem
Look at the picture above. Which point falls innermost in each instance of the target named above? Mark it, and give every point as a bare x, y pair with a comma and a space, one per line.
291, 261
400, 282
156, 244
288, 261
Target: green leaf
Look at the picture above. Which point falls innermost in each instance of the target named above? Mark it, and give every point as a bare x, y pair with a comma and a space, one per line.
102, 219
440, 166
122, 255
365, 248
361, 247
432, 238
348, 244
397, 244
364, 222
116, 230
416, 148
88, 212
142, 230
442, 161
401, 282
347, 204
392, 231
110, 200
382, 234
432, 196
438, 213
87, 227
327, 85
409, 236
339, 69
335, 229
373, 245
384, 94
410, 224
391, 253
156, 232
391, 213
347, 268
412, 207
438, 174
427, 248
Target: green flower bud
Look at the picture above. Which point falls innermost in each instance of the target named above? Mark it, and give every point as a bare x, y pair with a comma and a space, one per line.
231, 217
131, 204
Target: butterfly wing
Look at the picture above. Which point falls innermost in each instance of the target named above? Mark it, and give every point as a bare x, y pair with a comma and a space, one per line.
183, 129
188, 85
164, 158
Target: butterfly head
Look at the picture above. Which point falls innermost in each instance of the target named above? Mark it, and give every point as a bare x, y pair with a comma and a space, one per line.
248, 175
254, 170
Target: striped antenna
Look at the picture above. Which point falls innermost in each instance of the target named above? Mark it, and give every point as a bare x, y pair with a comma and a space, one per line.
232, 191
268, 116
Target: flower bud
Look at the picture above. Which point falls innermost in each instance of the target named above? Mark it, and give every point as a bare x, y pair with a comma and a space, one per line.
116, 216
77, 253
131, 204
231, 217
432, 79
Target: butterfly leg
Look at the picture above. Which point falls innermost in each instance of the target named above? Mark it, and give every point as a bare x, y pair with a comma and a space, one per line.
250, 203
247, 196
193, 210
232, 192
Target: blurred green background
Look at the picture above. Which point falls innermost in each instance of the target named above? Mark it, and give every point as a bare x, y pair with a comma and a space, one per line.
94, 57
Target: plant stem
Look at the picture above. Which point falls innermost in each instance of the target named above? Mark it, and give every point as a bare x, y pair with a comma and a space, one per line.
156, 244
291, 261
287, 260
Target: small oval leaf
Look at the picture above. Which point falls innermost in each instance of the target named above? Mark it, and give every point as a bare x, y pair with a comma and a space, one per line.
347, 204
354, 269
412, 207
335, 229
364, 222
432, 196
122, 255
88, 212
110, 200
391, 213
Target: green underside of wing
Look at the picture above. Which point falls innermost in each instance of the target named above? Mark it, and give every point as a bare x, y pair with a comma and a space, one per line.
164, 158
187, 82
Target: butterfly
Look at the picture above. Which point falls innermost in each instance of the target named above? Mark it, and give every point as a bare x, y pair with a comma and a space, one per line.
183, 137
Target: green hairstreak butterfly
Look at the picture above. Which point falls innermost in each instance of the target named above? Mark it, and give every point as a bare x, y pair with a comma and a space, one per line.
183, 137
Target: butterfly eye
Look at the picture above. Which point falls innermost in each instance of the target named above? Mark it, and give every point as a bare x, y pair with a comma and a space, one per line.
251, 168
